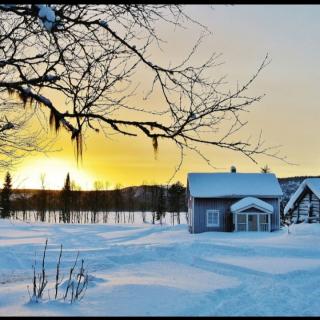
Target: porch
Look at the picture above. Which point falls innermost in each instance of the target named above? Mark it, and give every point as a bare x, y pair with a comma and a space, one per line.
252, 222
252, 214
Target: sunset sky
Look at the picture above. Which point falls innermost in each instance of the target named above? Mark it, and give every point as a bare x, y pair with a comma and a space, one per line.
289, 114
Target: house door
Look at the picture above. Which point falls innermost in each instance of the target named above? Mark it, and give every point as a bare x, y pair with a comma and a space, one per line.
252, 222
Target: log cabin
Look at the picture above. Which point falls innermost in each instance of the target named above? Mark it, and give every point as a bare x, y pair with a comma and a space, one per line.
304, 204
233, 201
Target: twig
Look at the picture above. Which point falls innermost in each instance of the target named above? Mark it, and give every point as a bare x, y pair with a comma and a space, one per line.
57, 274
70, 276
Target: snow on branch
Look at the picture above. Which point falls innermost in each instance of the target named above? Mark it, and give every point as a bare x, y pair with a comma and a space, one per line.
47, 16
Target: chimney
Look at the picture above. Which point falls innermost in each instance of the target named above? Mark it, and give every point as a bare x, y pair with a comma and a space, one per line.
233, 169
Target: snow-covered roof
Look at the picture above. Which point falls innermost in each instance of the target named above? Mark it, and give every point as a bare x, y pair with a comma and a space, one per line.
312, 183
250, 202
227, 184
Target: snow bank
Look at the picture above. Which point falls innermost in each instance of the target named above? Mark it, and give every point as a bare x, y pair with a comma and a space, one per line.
173, 275
272, 265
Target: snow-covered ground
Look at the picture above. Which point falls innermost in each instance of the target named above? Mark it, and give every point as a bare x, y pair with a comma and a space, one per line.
146, 269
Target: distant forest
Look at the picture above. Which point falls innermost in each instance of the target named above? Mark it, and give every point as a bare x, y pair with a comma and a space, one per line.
140, 198
157, 199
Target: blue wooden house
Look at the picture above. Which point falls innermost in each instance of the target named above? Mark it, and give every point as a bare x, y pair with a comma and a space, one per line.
233, 202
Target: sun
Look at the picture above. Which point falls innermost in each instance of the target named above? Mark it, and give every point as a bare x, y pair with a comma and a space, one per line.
54, 172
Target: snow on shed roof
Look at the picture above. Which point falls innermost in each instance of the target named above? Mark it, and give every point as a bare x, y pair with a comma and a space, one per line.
249, 202
218, 185
312, 183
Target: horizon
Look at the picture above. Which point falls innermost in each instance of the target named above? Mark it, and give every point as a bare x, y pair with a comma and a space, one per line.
162, 185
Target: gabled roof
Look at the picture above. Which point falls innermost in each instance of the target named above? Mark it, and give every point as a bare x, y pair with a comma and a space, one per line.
227, 184
312, 183
250, 202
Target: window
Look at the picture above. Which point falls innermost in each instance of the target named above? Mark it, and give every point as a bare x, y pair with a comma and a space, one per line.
264, 218
212, 218
264, 222
242, 222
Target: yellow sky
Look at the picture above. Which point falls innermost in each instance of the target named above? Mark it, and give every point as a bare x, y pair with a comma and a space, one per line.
289, 114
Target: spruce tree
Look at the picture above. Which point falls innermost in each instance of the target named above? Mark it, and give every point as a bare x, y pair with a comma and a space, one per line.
66, 199
176, 199
5, 197
161, 204
265, 169
42, 199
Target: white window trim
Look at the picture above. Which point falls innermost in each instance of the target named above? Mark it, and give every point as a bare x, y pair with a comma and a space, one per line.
207, 215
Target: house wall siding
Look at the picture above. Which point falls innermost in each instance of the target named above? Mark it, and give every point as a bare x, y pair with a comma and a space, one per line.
201, 205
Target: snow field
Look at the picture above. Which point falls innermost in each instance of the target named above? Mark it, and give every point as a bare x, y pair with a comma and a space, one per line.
164, 270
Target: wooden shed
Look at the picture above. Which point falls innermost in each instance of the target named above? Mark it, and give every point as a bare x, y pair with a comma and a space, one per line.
233, 202
304, 204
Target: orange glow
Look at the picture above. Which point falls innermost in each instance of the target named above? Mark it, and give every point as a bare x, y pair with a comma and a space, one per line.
54, 171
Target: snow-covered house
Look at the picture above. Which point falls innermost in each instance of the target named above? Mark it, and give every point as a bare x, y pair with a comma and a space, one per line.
304, 204
233, 202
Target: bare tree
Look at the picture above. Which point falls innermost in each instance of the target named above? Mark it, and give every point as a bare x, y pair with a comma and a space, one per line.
144, 201
76, 200
96, 200
16, 138
90, 55
42, 198
106, 201
117, 202
154, 196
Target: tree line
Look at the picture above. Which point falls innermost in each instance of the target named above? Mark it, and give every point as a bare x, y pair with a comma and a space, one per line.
75, 205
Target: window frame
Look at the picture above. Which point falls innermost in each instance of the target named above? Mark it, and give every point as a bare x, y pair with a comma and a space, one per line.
213, 211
